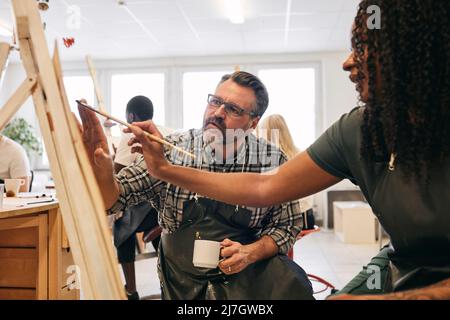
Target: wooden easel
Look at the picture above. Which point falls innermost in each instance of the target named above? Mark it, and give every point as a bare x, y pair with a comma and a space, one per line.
4, 52
80, 199
107, 124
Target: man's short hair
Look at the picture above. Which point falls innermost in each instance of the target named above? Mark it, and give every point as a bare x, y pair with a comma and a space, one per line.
248, 80
141, 106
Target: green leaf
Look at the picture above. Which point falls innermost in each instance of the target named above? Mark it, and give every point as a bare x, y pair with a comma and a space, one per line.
23, 133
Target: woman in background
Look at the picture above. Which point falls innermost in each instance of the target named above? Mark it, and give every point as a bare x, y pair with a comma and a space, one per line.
274, 129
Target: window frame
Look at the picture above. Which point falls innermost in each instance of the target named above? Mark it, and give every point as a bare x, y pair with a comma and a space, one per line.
174, 69
38, 164
317, 67
109, 73
192, 69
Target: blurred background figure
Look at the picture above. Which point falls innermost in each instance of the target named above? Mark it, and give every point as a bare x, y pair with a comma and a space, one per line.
274, 129
133, 222
14, 163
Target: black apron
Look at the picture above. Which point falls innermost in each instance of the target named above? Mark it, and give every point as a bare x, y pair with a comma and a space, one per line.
275, 278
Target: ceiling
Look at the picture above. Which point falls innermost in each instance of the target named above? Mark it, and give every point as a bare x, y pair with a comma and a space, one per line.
169, 28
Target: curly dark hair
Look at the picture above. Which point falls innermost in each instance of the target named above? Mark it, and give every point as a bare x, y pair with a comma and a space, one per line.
408, 114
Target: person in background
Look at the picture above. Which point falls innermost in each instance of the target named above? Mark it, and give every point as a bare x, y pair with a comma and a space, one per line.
14, 163
395, 146
140, 217
274, 129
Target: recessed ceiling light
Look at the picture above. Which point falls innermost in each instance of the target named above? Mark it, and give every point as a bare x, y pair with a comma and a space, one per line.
43, 4
234, 11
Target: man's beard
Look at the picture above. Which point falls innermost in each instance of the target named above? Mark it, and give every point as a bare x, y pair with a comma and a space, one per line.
217, 134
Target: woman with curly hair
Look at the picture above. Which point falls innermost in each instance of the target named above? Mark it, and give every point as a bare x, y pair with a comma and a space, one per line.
395, 146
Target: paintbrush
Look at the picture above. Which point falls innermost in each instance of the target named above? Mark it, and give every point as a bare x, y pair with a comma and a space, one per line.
152, 137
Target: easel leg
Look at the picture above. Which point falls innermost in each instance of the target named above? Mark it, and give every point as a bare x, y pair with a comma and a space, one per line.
16, 101
4, 54
80, 198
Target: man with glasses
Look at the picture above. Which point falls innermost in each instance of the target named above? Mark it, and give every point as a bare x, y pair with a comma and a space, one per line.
254, 241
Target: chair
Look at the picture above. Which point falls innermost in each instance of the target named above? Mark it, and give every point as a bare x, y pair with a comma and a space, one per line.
31, 180
306, 231
151, 236
302, 234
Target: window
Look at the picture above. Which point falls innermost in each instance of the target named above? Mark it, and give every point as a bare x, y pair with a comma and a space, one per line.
292, 94
126, 86
196, 87
78, 87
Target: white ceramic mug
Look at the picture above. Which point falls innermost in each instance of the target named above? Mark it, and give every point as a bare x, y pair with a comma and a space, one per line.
206, 254
13, 185
2, 188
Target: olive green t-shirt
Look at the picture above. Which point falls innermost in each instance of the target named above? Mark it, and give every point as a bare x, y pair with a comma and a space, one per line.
416, 218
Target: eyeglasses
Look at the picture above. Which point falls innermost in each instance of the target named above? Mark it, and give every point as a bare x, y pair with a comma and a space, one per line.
230, 108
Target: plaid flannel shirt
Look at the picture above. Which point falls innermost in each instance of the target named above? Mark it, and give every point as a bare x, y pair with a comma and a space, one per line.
281, 222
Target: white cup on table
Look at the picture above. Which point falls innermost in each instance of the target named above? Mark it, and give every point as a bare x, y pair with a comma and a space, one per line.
13, 186
206, 254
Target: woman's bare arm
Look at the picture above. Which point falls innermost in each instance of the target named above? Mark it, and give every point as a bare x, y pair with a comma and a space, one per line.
295, 179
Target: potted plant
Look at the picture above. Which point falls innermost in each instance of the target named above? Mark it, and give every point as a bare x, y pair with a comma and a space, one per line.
23, 133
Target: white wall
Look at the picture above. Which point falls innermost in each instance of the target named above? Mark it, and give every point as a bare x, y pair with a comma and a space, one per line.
337, 93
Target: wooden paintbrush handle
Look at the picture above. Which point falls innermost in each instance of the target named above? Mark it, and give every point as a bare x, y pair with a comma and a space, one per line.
154, 138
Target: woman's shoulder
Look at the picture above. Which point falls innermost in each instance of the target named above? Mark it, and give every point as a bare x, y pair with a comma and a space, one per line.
352, 118
337, 149
12, 146
347, 128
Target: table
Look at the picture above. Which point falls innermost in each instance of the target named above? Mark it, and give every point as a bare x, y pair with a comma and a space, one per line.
354, 222
34, 251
